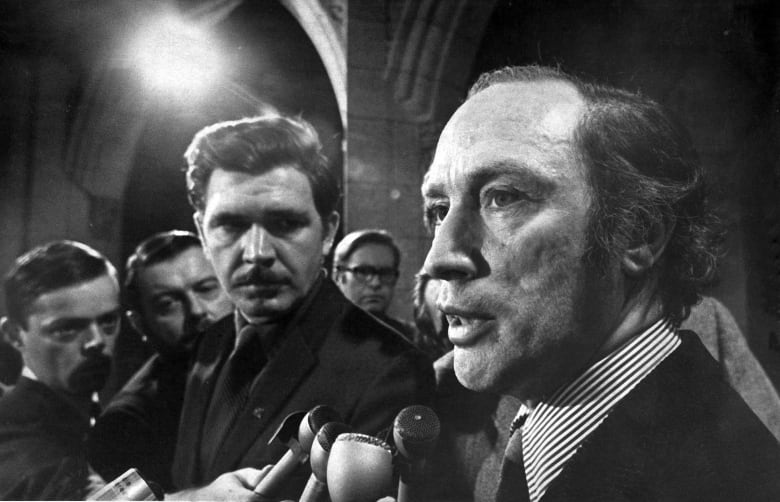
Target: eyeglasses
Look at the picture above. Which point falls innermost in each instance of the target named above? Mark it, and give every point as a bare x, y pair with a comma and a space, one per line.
364, 273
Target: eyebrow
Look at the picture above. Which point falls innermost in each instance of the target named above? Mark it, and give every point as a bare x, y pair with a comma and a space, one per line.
61, 322
479, 176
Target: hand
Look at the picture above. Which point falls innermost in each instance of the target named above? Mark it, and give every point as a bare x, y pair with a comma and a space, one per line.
237, 485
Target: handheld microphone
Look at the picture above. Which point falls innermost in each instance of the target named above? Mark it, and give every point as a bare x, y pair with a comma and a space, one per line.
297, 431
360, 468
129, 486
316, 489
415, 432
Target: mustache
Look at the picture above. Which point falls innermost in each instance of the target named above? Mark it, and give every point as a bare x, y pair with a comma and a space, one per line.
258, 276
91, 375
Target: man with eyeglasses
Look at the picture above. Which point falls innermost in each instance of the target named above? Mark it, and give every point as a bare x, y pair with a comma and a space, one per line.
62, 301
365, 268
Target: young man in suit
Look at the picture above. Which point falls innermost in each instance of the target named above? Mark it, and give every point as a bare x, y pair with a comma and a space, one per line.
265, 206
62, 301
571, 237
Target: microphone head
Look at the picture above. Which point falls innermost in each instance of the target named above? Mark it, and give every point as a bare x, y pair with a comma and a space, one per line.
415, 431
312, 422
287, 430
360, 468
320, 450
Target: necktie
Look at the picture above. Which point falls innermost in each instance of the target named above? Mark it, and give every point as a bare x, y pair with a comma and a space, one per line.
232, 390
512, 485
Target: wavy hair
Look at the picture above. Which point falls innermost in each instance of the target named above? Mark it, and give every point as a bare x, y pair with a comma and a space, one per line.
643, 172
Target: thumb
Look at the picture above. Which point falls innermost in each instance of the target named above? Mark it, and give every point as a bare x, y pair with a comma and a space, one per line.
250, 477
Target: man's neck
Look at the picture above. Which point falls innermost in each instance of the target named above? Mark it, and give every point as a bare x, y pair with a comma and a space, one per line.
637, 314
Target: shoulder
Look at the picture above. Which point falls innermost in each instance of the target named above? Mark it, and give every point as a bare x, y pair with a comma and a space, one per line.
31, 476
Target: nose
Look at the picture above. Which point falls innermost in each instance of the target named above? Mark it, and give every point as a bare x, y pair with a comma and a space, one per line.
374, 281
196, 313
258, 247
453, 253
96, 340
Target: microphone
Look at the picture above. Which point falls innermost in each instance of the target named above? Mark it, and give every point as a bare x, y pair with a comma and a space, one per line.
129, 486
297, 431
415, 431
316, 489
360, 468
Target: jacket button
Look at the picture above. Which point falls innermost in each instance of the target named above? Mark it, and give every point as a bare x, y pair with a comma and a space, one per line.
258, 413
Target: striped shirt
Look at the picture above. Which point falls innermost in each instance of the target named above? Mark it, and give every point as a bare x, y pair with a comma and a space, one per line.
556, 427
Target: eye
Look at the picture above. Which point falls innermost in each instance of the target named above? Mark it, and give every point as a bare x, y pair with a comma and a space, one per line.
282, 224
495, 198
109, 323
227, 227
435, 214
165, 305
208, 288
65, 334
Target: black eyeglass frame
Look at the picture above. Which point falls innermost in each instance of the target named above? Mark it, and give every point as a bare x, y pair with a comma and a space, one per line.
364, 273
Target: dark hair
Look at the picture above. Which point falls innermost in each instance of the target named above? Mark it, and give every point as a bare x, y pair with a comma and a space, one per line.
643, 171
257, 145
49, 267
354, 240
159, 247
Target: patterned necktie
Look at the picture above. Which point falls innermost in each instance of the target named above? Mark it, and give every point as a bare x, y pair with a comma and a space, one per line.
232, 390
512, 485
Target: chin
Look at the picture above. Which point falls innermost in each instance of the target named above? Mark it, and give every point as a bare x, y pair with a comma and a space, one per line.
263, 311
471, 373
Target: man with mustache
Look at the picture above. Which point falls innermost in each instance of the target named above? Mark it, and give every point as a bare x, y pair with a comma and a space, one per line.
265, 205
62, 301
172, 295
571, 235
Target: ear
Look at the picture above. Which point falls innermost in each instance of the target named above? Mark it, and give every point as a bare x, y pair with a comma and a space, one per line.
197, 218
331, 226
641, 257
136, 321
11, 333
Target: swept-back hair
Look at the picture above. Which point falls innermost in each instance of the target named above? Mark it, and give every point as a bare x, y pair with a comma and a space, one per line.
643, 172
157, 248
354, 240
256, 145
49, 267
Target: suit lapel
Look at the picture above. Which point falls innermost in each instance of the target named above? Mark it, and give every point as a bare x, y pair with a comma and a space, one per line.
211, 355
612, 463
282, 375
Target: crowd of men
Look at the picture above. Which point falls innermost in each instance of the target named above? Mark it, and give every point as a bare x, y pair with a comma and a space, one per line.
571, 238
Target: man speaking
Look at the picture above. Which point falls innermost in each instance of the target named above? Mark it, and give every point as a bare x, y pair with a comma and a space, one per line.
265, 206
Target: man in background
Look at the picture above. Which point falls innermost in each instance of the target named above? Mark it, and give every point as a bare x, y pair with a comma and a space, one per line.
172, 295
365, 268
62, 300
265, 205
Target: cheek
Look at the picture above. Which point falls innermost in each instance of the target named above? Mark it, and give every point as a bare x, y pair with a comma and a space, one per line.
545, 259
59, 359
168, 324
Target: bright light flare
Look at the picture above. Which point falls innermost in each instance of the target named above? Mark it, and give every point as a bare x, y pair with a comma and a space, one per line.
172, 55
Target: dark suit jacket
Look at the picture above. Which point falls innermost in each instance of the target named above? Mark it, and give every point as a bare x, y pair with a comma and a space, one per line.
682, 434
42, 453
139, 426
332, 353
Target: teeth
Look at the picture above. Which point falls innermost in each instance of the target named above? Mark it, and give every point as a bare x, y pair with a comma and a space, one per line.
454, 320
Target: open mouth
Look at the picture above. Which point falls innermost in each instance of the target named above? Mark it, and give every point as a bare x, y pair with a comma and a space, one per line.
465, 328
